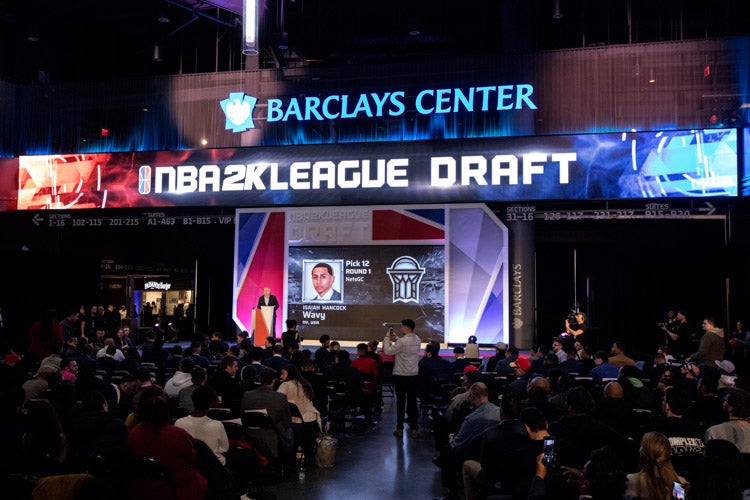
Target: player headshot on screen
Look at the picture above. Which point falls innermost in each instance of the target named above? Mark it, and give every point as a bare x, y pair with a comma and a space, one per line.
322, 281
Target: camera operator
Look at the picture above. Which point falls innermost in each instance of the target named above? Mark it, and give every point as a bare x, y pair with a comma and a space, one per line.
678, 335
576, 325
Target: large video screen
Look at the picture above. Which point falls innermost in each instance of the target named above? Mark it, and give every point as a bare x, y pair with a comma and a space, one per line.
351, 271
344, 291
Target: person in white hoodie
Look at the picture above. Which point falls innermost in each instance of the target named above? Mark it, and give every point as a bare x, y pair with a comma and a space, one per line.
405, 375
181, 378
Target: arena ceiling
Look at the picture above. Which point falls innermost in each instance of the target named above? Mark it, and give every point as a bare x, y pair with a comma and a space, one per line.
72, 40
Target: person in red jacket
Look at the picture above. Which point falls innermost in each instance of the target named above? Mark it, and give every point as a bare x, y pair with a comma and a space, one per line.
45, 336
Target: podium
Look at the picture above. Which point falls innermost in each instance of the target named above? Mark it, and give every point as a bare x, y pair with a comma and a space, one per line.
263, 324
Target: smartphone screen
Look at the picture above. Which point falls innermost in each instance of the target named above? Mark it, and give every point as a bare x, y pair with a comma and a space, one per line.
549, 450
678, 491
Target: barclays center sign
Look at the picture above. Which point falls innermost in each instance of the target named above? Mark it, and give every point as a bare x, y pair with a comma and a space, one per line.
240, 108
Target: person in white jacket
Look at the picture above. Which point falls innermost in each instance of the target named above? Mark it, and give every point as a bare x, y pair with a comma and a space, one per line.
181, 378
405, 375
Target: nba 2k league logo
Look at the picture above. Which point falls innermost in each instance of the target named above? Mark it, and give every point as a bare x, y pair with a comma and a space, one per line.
406, 275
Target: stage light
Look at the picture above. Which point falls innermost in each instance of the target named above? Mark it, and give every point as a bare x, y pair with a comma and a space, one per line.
557, 12
283, 41
164, 14
250, 27
156, 57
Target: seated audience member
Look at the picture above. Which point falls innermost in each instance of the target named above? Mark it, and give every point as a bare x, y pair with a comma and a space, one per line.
586, 357
458, 408
490, 364
277, 359
344, 373
537, 357
40, 382
558, 349
657, 475
572, 364
195, 351
484, 416
603, 368
366, 364
460, 362
155, 436
551, 369
117, 354
433, 369
248, 378
539, 390
602, 477
656, 370
372, 350
299, 391
636, 393
45, 446
95, 430
225, 385
318, 382
496, 467
200, 426
617, 355
275, 403
180, 379
69, 369
707, 408
719, 473
198, 377
323, 353
503, 366
613, 410
579, 433
737, 429
217, 347
119, 396
522, 370
683, 434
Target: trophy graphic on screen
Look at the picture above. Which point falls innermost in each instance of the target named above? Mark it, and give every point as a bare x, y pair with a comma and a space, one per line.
406, 275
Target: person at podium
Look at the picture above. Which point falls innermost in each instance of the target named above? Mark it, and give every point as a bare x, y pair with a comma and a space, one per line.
270, 301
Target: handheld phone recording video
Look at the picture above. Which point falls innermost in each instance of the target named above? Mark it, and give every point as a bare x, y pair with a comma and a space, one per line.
549, 451
678, 491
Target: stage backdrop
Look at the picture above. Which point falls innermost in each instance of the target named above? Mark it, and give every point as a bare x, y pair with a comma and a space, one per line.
350, 272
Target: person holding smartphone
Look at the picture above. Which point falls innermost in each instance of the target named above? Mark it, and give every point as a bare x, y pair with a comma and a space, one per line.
405, 375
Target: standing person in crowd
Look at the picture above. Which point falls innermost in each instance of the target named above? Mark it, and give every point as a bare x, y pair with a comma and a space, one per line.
678, 335
711, 348
577, 326
44, 335
291, 339
405, 375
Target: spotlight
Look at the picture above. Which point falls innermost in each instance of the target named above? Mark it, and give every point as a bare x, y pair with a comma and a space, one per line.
283, 41
164, 14
557, 12
156, 57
